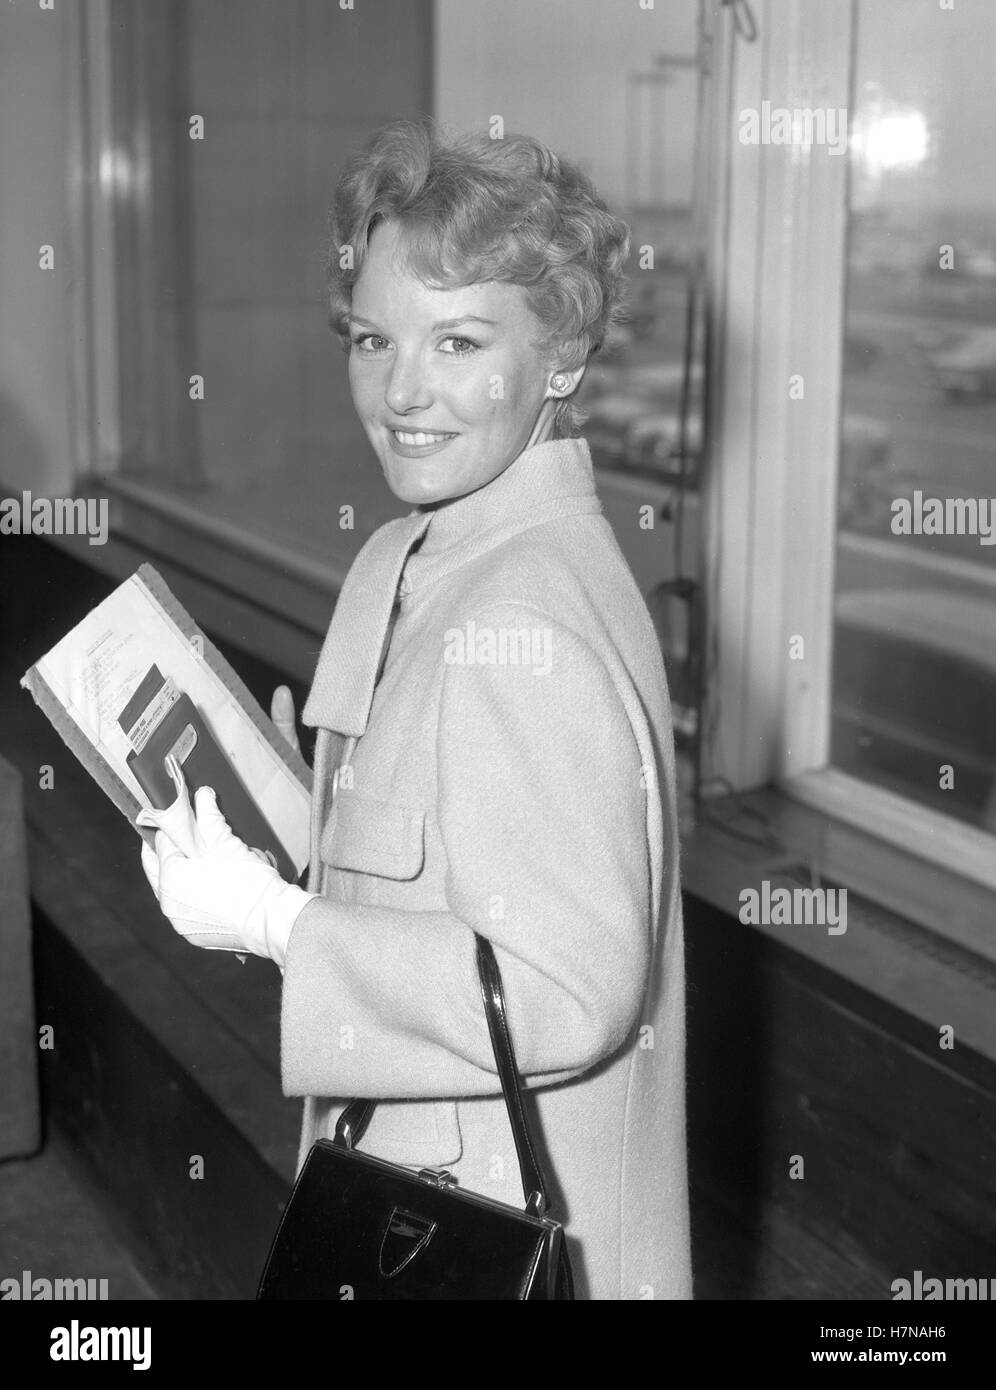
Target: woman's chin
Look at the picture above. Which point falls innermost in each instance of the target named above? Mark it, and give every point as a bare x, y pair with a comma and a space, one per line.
414, 496
416, 491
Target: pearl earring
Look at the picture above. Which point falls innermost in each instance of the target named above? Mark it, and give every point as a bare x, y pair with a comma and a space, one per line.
559, 382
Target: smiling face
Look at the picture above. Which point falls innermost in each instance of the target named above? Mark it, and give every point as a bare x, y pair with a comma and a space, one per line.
450, 384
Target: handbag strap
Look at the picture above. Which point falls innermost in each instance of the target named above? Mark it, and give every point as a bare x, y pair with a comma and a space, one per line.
357, 1114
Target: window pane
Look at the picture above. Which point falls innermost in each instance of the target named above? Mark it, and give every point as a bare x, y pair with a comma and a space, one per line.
286, 90
914, 697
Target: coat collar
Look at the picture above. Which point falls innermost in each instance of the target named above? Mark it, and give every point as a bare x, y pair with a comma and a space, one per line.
550, 480
545, 482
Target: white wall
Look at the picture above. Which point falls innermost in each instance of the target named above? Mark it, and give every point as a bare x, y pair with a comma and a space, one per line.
34, 303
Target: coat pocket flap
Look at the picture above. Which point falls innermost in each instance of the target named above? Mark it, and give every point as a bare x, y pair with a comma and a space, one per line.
370, 836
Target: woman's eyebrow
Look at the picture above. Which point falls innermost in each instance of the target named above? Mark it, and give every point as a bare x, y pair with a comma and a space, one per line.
436, 327
465, 318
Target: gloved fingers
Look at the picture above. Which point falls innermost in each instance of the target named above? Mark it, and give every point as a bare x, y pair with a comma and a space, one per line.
156, 860
176, 824
176, 820
282, 714
224, 901
168, 853
213, 826
218, 835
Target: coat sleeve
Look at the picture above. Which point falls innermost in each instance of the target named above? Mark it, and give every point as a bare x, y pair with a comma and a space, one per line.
541, 808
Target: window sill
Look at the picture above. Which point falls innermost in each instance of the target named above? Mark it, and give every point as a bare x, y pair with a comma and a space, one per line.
959, 851
898, 947
261, 596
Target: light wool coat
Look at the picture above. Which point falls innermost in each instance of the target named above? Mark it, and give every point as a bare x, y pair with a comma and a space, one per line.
512, 775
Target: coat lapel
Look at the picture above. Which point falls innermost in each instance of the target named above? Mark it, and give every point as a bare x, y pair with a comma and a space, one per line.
342, 691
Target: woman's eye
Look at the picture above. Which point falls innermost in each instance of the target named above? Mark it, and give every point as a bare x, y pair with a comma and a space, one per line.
462, 347
369, 342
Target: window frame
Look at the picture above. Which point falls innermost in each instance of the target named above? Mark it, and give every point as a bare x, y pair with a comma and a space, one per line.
766, 717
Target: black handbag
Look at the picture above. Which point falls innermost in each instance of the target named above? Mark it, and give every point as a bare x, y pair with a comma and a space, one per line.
357, 1227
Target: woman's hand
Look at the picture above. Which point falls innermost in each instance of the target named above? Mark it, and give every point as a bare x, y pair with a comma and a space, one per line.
215, 890
282, 714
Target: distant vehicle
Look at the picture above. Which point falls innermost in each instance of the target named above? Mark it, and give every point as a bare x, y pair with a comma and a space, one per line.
613, 412
632, 431
655, 439
967, 367
632, 415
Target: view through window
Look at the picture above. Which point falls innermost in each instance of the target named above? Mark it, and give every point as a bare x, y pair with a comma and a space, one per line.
914, 696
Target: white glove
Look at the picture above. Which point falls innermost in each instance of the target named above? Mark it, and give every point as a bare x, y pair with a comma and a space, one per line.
215, 890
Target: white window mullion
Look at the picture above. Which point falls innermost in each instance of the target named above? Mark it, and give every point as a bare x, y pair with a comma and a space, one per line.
770, 490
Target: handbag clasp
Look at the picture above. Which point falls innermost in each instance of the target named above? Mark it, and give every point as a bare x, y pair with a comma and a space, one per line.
536, 1204
441, 1177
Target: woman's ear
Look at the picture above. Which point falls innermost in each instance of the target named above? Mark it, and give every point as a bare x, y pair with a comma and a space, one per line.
564, 383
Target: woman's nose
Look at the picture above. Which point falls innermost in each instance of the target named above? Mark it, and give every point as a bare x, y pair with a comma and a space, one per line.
407, 387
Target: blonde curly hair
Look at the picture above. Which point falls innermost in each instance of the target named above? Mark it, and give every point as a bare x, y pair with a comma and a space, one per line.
477, 209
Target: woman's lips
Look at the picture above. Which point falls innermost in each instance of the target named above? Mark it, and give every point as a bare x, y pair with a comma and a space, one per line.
416, 444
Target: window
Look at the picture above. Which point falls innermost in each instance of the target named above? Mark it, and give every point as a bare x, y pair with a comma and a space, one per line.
224, 130
817, 676
914, 682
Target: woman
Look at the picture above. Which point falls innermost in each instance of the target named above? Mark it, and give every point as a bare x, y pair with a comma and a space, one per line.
509, 770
